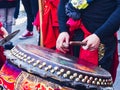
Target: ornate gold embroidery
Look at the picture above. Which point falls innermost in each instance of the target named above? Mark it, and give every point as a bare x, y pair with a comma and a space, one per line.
101, 51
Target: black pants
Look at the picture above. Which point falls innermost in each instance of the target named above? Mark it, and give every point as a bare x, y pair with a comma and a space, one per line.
17, 9
34, 4
30, 17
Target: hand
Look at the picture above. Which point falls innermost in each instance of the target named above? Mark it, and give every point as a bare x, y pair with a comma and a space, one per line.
5, 33
92, 42
63, 39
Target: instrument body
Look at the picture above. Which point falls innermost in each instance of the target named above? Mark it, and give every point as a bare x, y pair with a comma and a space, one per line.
56, 70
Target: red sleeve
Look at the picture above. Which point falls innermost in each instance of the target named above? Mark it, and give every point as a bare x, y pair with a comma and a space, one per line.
1, 32
2, 56
1, 25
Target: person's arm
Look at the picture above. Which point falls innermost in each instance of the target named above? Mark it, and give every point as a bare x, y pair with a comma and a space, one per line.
106, 30
62, 17
64, 35
111, 25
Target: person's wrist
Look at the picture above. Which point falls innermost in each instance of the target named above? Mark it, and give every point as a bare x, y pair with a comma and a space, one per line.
96, 36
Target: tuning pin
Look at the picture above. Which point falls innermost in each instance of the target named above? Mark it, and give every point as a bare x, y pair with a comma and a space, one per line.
88, 81
86, 77
15, 49
49, 66
93, 82
18, 56
36, 63
40, 66
55, 68
111, 83
102, 83
46, 68
25, 56
44, 63
59, 73
62, 70
22, 54
22, 58
80, 76
25, 59
75, 75
98, 83
68, 72
28, 58
100, 80
91, 78
77, 79
105, 83
108, 83
83, 80
32, 60
106, 80
103, 80
71, 77
12, 51
19, 53
52, 71
96, 79
65, 75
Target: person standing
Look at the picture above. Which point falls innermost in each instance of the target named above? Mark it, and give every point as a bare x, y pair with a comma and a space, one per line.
31, 8
7, 8
92, 22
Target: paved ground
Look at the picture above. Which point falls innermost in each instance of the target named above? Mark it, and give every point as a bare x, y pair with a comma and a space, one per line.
21, 24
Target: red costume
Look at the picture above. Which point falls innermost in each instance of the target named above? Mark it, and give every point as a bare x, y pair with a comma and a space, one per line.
49, 23
2, 56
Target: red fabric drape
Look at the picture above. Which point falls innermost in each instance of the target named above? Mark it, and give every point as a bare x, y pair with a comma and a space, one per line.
50, 23
1, 32
2, 56
87, 55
